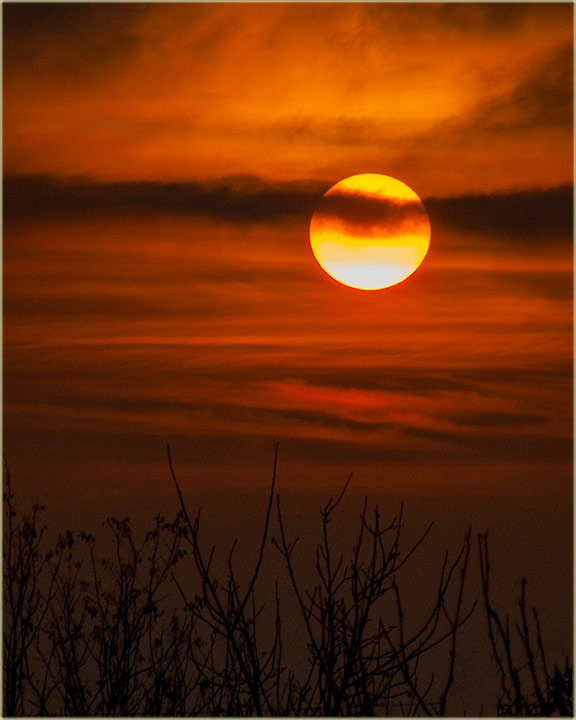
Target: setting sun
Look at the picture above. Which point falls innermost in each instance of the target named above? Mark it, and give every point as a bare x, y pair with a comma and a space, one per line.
370, 231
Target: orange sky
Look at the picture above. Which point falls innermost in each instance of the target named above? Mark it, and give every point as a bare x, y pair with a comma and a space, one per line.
459, 97
161, 165
230, 121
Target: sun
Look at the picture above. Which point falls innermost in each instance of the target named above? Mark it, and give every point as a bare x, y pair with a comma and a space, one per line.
370, 231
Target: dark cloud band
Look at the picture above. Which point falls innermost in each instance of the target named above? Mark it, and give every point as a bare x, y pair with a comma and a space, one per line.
237, 199
245, 199
529, 214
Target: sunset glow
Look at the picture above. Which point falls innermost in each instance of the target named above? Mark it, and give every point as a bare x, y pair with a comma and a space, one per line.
343, 226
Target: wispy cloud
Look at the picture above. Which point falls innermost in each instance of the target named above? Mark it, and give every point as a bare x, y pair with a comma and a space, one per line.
543, 98
77, 42
360, 214
144, 90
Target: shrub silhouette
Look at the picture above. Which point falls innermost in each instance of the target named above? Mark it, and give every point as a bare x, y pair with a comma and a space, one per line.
528, 688
84, 634
155, 628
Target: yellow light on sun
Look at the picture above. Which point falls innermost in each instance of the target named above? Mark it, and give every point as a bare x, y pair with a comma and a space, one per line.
370, 231
375, 185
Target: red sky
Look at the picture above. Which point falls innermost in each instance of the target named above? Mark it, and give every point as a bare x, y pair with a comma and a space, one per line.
161, 165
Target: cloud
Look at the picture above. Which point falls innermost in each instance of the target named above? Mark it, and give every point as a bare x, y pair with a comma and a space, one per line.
149, 90
83, 306
497, 420
465, 19
360, 213
527, 214
219, 403
431, 381
77, 41
238, 199
542, 99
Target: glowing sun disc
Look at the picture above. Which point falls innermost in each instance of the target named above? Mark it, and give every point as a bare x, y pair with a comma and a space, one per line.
370, 231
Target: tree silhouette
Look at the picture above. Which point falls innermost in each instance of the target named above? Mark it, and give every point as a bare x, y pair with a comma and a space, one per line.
158, 627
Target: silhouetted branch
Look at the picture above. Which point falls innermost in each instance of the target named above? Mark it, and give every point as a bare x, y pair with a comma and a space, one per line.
549, 695
124, 634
